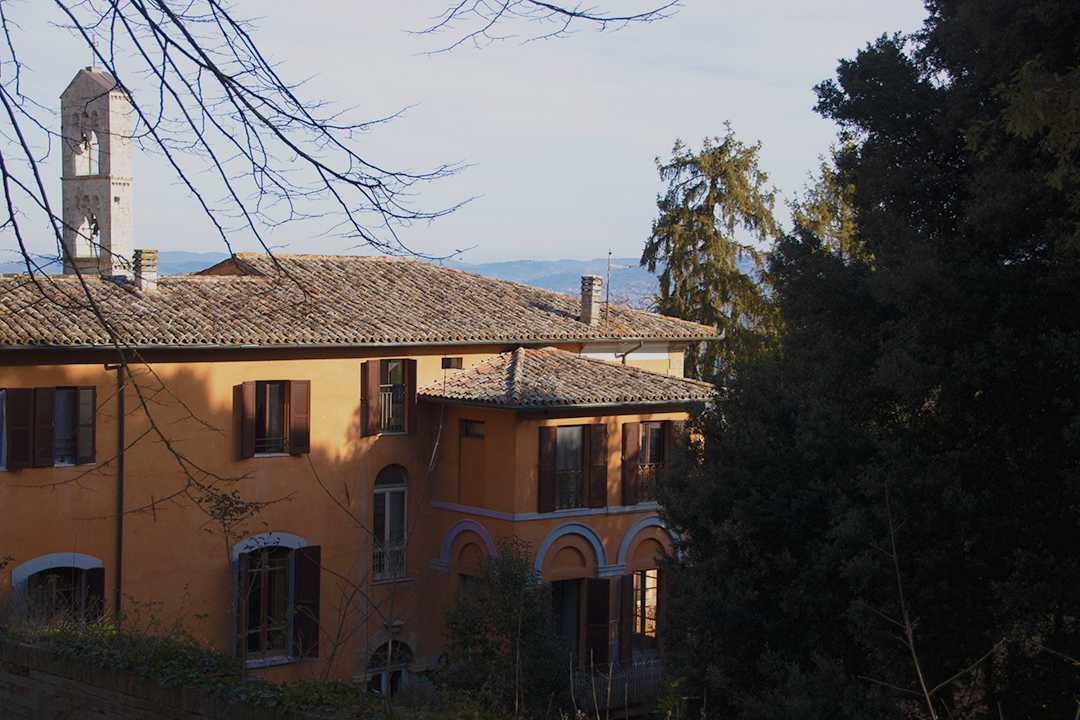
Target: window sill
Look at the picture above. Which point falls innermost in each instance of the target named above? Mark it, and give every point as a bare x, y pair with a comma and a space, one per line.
269, 661
388, 581
266, 455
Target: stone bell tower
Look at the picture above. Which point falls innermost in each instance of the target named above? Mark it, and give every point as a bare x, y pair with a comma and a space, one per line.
96, 146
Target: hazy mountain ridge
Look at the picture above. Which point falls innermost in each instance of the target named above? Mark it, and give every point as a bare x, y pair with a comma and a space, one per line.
630, 284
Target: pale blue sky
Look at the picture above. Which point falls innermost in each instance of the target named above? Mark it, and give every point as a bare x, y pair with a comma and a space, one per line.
561, 135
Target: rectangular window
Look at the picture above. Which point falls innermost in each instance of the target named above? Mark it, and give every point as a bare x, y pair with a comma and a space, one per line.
473, 429
388, 391
392, 391
267, 632
645, 605
47, 427
278, 604
573, 467
276, 417
651, 459
271, 413
570, 467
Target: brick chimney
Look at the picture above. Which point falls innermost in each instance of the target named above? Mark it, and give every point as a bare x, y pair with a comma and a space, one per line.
146, 270
590, 299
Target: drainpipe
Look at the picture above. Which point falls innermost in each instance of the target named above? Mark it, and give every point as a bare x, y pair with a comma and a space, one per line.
119, 487
633, 349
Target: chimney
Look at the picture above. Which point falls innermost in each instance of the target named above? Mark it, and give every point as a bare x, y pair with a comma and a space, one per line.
146, 270
590, 299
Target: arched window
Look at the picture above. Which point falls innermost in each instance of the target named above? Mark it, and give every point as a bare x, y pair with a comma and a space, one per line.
61, 587
388, 668
277, 603
388, 525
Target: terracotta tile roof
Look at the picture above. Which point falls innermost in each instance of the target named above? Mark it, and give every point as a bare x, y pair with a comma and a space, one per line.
308, 300
542, 377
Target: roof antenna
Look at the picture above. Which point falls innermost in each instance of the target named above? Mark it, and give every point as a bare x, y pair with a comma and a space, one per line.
607, 298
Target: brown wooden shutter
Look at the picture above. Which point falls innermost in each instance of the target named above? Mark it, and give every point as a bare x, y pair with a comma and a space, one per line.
597, 602
307, 569
243, 593
631, 462
95, 595
598, 466
626, 619
299, 417
20, 428
410, 395
369, 389
547, 470
247, 420
85, 437
44, 426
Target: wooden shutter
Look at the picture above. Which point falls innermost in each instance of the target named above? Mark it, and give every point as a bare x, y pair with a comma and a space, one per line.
20, 424
247, 420
369, 390
547, 470
85, 437
299, 417
307, 568
597, 600
95, 595
243, 592
44, 426
626, 619
631, 462
598, 466
410, 395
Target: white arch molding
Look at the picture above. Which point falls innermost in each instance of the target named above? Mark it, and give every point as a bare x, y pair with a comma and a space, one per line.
21, 574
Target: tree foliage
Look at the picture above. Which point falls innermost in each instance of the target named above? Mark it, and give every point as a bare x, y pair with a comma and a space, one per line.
826, 210
502, 647
900, 481
715, 222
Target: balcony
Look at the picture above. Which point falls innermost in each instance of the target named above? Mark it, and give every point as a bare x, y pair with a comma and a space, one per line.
391, 409
569, 489
649, 482
388, 561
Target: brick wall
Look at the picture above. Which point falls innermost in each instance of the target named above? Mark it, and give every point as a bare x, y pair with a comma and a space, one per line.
35, 685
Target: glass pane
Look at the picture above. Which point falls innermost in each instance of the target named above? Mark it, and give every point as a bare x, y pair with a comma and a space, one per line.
397, 516
569, 447
655, 444
378, 525
66, 425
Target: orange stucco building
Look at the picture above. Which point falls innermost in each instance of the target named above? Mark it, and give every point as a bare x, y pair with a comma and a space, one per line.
299, 458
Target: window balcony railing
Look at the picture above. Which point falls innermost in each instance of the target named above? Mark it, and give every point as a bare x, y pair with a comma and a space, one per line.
388, 561
649, 482
391, 409
569, 489
267, 445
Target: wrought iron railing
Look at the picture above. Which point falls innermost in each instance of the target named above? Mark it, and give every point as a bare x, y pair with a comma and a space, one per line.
391, 409
270, 444
388, 561
614, 687
649, 482
569, 489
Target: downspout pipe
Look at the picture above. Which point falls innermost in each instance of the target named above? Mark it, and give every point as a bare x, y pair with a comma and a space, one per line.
121, 413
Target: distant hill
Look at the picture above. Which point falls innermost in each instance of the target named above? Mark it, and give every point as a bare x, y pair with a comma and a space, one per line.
630, 284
